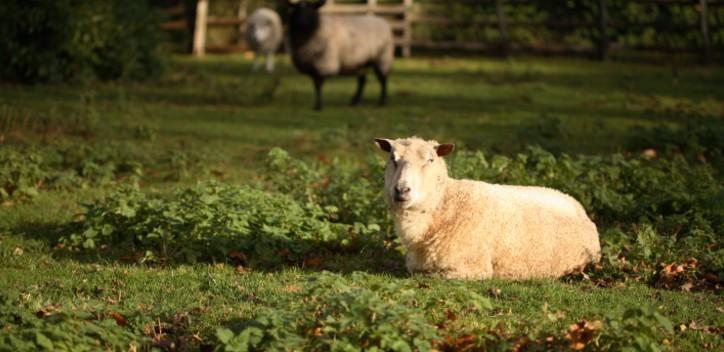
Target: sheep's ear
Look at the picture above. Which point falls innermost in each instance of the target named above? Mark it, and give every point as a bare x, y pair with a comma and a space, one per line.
445, 149
384, 144
319, 3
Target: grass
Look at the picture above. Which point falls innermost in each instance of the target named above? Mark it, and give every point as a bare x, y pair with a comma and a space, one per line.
220, 121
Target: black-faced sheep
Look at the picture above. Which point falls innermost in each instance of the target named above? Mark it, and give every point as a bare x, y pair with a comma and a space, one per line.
326, 45
477, 230
264, 34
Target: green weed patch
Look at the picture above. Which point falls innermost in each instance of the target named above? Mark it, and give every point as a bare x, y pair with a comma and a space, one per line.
212, 222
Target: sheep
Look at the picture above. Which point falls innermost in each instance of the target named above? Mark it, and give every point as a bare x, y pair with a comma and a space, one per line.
325, 46
476, 230
264, 34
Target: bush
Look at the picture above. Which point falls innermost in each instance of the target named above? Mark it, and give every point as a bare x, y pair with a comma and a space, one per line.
208, 221
27, 169
20, 173
352, 190
54, 330
332, 314
66, 40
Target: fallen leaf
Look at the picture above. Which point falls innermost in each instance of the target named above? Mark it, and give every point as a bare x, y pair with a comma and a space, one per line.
237, 255
649, 153
687, 286
450, 315
119, 318
313, 262
292, 288
581, 333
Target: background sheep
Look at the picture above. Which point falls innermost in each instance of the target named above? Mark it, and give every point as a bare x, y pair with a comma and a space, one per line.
324, 46
473, 229
264, 34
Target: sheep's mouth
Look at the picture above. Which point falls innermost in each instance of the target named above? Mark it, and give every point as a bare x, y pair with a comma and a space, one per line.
401, 199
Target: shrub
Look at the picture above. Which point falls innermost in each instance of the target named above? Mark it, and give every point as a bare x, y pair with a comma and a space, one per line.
637, 329
332, 314
20, 173
59, 331
71, 39
208, 221
25, 170
352, 189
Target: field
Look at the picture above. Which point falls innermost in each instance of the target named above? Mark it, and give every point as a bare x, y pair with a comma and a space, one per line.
213, 209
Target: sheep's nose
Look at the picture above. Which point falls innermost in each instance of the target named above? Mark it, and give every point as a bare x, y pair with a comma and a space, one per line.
401, 193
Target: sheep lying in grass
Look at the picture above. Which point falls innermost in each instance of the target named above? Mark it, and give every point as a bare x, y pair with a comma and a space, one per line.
324, 46
477, 230
264, 34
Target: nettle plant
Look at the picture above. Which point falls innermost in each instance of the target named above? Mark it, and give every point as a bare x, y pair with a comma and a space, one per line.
27, 169
332, 314
21, 174
351, 189
54, 330
208, 221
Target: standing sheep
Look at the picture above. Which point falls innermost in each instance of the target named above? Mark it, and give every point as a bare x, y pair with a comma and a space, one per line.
264, 34
324, 46
477, 230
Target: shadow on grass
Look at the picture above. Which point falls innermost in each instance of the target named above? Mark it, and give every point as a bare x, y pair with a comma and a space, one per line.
366, 255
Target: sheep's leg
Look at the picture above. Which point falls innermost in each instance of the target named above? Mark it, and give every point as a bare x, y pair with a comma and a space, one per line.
318, 81
361, 80
255, 63
270, 62
383, 86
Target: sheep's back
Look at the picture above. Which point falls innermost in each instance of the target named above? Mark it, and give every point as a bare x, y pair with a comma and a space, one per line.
547, 232
356, 41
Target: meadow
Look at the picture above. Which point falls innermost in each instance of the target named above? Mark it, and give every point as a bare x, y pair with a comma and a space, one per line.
213, 209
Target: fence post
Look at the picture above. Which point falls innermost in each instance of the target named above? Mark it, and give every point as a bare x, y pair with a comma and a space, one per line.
371, 7
241, 15
407, 29
202, 13
602, 30
704, 30
502, 27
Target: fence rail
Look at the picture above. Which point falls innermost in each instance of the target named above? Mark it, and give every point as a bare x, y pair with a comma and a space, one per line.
405, 15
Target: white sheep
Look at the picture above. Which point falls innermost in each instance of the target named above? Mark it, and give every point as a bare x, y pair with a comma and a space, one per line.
323, 46
477, 230
264, 34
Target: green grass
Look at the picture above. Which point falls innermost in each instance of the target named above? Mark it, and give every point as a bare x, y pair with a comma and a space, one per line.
223, 121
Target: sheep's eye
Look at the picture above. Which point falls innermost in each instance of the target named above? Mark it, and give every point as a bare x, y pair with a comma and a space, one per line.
430, 160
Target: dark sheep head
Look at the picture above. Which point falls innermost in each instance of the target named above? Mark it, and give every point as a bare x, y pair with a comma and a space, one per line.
304, 15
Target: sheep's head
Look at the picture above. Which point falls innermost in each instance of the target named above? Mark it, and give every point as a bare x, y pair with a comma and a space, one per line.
304, 14
414, 171
261, 28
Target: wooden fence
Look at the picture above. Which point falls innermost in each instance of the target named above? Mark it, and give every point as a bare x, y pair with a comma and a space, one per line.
603, 24
404, 15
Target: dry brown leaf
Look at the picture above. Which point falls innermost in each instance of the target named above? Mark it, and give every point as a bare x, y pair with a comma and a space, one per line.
450, 315
687, 286
119, 318
313, 262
